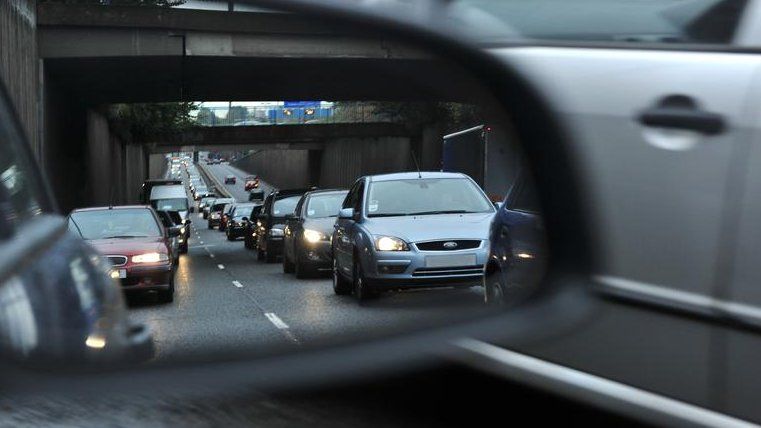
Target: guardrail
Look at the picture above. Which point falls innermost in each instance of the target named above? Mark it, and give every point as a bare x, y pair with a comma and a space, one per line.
219, 188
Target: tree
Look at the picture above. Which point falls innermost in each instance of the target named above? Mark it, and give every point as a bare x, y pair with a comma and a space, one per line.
206, 117
144, 121
237, 114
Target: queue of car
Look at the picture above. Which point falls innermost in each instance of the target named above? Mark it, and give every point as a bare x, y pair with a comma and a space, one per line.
388, 232
398, 231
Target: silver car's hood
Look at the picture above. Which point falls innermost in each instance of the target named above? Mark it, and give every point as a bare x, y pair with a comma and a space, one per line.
432, 227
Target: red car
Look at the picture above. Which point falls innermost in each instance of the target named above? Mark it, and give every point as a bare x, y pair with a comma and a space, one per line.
135, 242
252, 182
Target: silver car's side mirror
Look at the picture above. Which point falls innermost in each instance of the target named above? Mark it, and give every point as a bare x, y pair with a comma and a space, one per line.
346, 213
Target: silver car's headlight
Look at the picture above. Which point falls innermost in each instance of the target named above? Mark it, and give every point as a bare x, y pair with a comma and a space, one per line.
276, 232
390, 243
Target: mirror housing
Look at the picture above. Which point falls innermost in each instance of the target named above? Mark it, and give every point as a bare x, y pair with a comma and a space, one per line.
346, 213
174, 231
245, 219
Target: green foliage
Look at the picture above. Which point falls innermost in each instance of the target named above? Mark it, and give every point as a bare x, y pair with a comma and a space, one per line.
236, 114
206, 117
144, 121
451, 116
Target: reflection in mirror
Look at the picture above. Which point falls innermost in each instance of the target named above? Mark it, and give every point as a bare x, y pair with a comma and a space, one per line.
410, 203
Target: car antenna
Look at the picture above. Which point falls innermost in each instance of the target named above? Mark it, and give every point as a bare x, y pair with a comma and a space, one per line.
417, 165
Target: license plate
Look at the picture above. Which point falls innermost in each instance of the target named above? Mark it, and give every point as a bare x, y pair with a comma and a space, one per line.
122, 273
450, 260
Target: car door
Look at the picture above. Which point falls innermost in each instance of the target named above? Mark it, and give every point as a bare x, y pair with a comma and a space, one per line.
342, 248
658, 198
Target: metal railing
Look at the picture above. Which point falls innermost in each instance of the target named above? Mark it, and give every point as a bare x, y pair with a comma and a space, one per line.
279, 115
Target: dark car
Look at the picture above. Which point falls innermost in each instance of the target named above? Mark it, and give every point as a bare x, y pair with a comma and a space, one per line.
237, 220
517, 253
271, 222
251, 228
136, 243
225, 217
306, 246
215, 211
230, 179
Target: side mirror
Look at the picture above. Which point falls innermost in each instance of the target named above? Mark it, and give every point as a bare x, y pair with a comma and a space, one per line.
498, 205
188, 221
192, 209
245, 219
174, 231
346, 213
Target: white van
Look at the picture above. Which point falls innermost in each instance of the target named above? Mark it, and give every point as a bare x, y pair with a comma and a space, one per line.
173, 198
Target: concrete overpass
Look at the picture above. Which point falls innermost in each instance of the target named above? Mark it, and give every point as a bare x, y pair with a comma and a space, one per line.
86, 57
281, 137
126, 54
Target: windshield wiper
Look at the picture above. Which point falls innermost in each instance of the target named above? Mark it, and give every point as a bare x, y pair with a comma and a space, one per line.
443, 212
387, 215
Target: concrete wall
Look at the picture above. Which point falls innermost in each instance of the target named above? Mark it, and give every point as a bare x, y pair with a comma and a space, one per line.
281, 168
18, 63
341, 162
346, 159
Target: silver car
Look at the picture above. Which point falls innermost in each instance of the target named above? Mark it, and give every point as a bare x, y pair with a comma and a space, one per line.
410, 230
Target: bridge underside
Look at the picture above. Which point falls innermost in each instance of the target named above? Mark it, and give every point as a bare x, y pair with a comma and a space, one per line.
160, 79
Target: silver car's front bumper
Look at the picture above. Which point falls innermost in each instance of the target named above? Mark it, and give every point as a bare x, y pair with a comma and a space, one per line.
422, 269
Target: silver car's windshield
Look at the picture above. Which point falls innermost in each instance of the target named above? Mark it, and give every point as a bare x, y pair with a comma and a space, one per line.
425, 196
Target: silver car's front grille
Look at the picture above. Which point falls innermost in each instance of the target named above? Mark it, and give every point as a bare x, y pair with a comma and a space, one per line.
450, 271
449, 245
117, 260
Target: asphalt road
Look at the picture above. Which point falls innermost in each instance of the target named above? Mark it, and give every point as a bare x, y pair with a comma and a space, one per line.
226, 301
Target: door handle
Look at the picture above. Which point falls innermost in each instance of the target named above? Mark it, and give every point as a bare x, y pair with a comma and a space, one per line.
682, 112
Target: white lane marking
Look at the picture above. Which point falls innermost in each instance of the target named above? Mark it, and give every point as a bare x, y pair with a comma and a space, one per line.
274, 319
221, 266
211, 255
237, 284
202, 242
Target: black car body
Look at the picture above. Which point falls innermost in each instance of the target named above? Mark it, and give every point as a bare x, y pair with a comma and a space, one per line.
230, 179
237, 220
306, 245
215, 211
271, 222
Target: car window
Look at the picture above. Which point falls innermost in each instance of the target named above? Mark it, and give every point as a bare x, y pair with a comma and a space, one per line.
425, 196
285, 206
525, 199
351, 196
175, 204
326, 205
628, 21
359, 196
121, 223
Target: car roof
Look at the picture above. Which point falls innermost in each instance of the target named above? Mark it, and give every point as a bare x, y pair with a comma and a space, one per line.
118, 207
292, 192
321, 191
414, 174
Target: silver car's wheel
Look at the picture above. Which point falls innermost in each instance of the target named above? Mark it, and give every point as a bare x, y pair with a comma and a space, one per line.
340, 285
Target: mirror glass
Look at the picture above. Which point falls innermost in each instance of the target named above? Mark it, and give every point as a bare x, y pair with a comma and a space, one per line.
440, 221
